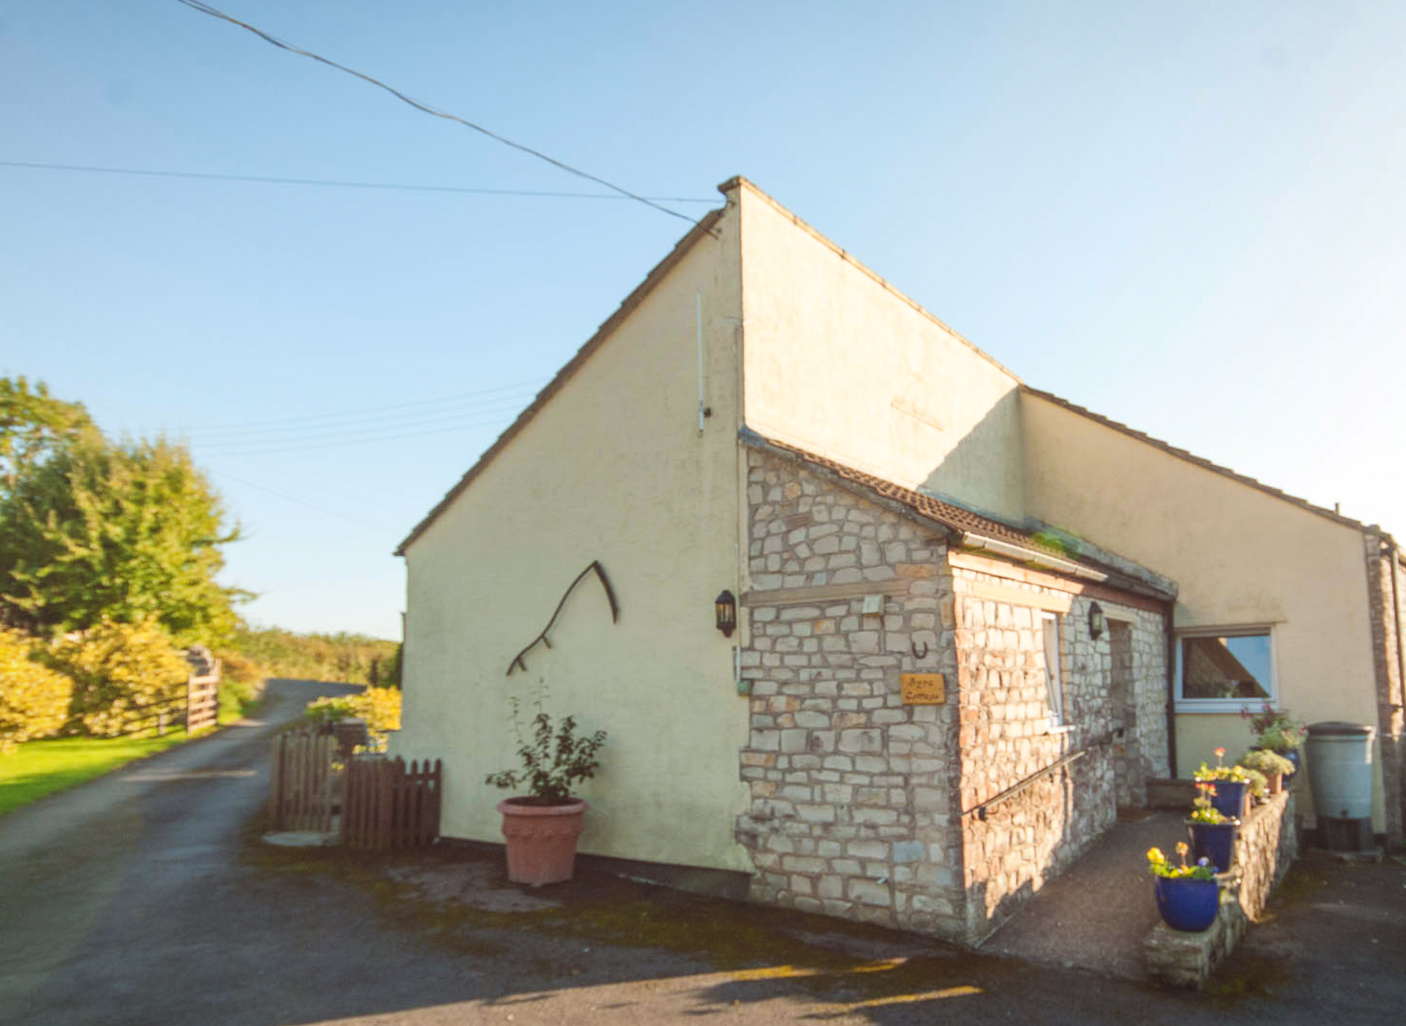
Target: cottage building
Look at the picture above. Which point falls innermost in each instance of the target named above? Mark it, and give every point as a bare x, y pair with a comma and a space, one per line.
973, 620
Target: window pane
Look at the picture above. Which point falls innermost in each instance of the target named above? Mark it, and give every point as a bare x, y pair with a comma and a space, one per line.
1236, 666
1051, 639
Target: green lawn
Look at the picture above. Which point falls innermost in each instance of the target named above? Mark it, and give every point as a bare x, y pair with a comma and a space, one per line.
38, 768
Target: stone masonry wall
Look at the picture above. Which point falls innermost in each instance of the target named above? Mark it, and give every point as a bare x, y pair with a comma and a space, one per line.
1385, 596
853, 807
1007, 737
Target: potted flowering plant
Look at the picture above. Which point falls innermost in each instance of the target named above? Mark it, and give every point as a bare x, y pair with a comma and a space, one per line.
1188, 896
1276, 731
1231, 783
1274, 766
1212, 831
541, 827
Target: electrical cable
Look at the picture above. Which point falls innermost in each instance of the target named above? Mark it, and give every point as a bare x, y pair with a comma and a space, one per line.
302, 502
360, 425
362, 440
367, 410
334, 183
461, 421
214, 12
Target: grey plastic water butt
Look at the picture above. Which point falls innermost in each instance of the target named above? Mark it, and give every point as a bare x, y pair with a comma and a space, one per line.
1340, 776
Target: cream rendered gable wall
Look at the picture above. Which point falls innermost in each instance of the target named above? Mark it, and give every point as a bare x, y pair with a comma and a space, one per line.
611, 468
1239, 556
841, 364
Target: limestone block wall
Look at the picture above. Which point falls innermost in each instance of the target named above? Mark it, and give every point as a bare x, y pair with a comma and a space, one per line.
1066, 770
1265, 846
854, 794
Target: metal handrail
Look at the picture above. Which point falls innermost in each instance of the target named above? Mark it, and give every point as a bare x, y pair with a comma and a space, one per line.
1014, 789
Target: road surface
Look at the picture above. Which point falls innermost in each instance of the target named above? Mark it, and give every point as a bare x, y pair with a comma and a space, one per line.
143, 899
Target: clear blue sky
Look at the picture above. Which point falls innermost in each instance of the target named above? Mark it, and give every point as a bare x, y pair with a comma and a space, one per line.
1186, 216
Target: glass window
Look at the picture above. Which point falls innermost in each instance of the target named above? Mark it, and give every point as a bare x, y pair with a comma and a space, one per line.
1228, 667
1049, 626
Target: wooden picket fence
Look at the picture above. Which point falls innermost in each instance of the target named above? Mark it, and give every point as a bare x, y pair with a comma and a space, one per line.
302, 782
387, 805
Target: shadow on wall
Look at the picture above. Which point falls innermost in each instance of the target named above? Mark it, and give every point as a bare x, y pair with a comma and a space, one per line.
1035, 839
985, 471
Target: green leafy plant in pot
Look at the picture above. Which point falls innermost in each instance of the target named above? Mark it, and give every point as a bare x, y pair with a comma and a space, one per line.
1275, 767
541, 827
1276, 731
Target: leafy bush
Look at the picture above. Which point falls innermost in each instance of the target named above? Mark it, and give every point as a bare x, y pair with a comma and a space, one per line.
330, 709
379, 707
122, 673
34, 699
349, 658
241, 685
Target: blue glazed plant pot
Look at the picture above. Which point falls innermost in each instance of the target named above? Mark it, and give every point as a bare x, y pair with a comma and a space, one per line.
1214, 841
1187, 905
1229, 799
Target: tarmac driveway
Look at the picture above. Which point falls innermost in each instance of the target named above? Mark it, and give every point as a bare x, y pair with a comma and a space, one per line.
144, 899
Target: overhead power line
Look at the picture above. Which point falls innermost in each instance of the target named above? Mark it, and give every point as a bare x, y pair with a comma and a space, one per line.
380, 530
360, 422
364, 439
369, 432
365, 410
336, 183
214, 12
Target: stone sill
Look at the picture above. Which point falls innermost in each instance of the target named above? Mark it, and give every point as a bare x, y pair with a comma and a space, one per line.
1188, 959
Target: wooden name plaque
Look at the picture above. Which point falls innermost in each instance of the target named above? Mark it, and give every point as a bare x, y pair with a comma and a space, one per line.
923, 688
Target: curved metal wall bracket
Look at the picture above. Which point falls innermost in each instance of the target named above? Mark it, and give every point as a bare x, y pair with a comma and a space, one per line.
542, 639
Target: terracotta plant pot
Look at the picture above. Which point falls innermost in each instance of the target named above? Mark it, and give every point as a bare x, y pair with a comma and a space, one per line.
1275, 782
541, 839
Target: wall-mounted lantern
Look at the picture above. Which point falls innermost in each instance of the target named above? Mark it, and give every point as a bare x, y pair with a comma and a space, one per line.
725, 606
1097, 623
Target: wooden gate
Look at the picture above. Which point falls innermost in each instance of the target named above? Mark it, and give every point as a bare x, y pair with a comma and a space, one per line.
203, 700
385, 805
301, 782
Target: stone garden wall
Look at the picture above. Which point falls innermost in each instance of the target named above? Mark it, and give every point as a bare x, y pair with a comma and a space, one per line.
853, 793
1265, 846
1065, 769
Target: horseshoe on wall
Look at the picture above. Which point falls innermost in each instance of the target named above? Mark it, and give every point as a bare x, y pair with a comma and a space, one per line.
920, 655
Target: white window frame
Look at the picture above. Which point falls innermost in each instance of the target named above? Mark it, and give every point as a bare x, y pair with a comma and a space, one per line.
1054, 677
1228, 705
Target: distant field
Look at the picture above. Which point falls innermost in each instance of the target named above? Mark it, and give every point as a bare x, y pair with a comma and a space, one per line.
38, 768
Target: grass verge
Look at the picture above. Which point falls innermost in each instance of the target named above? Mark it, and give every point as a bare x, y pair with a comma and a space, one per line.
238, 699
38, 768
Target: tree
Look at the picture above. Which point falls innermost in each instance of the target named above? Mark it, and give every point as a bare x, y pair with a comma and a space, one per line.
35, 426
128, 532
